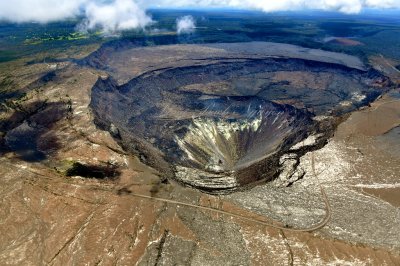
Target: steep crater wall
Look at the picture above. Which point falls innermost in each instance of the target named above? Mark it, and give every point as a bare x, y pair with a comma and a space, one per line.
225, 125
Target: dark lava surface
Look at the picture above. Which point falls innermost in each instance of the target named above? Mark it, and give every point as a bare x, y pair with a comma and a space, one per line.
224, 125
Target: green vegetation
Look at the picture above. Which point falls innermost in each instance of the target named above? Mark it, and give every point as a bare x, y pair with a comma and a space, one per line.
29, 39
70, 37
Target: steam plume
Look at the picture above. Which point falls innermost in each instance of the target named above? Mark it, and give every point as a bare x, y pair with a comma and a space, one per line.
185, 24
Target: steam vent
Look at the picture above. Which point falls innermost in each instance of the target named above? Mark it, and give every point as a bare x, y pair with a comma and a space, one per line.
223, 117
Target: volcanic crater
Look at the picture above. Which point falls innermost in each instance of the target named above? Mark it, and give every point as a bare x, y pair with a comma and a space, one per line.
221, 117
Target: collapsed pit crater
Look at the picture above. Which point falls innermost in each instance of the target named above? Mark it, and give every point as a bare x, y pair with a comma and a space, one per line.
223, 126
240, 145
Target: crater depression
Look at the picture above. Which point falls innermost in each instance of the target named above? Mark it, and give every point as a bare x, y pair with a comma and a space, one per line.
223, 117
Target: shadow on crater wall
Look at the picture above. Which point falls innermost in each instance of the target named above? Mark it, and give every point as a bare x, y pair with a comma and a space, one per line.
24, 129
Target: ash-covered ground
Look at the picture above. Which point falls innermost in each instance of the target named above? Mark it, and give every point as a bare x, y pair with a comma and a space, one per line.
222, 154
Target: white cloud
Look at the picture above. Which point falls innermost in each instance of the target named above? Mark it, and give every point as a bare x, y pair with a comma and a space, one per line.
39, 10
345, 6
185, 24
109, 15
124, 14
116, 16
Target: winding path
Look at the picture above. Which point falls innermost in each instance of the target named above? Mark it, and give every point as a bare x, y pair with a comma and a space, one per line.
317, 226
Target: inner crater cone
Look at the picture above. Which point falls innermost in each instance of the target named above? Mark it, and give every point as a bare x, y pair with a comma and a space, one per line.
237, 142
